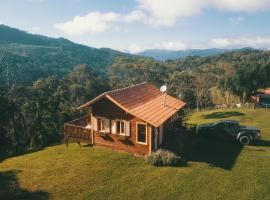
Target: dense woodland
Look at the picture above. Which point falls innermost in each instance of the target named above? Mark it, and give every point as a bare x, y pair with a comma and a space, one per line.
43, 80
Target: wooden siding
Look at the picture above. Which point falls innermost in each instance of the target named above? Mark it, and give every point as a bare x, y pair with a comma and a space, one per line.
105, 108
129, 144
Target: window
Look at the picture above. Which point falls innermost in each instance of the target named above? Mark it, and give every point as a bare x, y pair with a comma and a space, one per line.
232, 125
120, 127
219, 125
100, 123
141, 133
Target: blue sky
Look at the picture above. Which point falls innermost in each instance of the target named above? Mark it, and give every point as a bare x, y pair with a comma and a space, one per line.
135, 25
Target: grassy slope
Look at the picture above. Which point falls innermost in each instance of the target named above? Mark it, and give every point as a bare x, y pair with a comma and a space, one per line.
97, 173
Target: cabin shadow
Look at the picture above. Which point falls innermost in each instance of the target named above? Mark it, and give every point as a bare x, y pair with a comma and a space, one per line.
10, 188
219, 115
216, 153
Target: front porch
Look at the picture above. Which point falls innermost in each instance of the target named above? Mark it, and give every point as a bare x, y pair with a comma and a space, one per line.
78, 130
87, 129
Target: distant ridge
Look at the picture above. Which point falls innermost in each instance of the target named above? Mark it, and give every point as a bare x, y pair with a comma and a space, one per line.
160, 54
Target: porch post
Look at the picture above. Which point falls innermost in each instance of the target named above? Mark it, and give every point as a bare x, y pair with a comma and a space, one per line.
149, 135
156, 138
161, 134
92, 128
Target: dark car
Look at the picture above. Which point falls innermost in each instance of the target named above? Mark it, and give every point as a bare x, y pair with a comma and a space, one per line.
229, 129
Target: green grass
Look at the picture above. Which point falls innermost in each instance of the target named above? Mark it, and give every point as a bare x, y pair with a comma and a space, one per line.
216, 170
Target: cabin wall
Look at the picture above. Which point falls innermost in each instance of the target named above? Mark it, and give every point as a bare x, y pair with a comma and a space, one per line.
105, 108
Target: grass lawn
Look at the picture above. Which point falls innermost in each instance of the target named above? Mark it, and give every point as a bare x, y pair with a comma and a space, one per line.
215, 170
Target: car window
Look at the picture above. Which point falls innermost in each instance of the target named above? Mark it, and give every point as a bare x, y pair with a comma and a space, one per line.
220, 125
232, 125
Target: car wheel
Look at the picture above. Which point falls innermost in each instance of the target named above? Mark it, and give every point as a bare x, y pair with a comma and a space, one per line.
245, 139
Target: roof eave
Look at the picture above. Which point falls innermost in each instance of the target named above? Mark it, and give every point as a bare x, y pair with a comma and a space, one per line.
89, 103
165, 119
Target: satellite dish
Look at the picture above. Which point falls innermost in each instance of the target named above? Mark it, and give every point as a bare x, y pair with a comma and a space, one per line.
163, 88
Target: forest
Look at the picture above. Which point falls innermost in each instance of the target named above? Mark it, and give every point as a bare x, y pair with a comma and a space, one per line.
44, 80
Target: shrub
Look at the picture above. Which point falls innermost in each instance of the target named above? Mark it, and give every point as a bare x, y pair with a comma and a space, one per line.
163, 158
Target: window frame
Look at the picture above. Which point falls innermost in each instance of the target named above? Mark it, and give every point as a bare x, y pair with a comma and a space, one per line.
146, 133
124, 127
103, 124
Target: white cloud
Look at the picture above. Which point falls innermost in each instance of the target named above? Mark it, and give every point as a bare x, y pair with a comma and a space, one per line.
241, 5
227, 43
256, 42
136, 15
134, 48
93, 22
237, 20
34, 29
157, 13
167, 12
172, 45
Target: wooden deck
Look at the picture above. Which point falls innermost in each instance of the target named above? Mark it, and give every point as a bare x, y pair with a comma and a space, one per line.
76, 130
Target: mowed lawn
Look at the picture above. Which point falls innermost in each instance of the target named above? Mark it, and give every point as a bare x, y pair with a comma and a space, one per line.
215, 170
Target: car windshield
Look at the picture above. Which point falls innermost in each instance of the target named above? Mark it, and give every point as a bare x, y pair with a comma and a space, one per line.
227, 124
233, 125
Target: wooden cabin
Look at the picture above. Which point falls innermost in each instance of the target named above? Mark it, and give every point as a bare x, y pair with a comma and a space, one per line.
262, 96
129, 119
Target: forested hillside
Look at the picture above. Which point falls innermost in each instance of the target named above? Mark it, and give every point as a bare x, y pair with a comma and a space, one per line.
43, 80
25, 57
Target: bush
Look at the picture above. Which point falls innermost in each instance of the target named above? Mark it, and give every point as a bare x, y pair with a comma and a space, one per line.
163, 158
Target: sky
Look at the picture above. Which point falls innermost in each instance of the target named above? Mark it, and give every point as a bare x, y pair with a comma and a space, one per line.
137, 25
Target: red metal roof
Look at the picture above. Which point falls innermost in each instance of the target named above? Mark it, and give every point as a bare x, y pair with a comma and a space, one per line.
143, 101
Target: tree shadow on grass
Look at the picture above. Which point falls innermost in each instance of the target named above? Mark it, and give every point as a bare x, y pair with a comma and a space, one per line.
216, 153
5, 154
10, 188
220, 115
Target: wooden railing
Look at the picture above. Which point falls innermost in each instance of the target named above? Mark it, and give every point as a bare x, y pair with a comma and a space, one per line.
76, 130
80, 121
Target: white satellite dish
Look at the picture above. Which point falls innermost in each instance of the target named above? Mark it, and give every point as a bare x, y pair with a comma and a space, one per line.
163, 88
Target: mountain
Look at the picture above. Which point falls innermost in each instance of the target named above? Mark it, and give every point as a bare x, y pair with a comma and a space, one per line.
160, 54
26, 57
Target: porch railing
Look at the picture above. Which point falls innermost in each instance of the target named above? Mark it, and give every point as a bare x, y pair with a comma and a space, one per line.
77, 130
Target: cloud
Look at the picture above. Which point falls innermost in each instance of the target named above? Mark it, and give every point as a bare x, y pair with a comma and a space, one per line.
237, 20
34, 29
168, 12
134, 48
157, 13
256, 42
241, 5
93, 22
171, 45
136, 15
